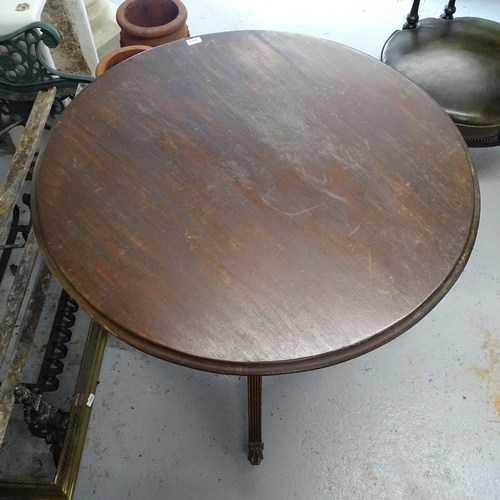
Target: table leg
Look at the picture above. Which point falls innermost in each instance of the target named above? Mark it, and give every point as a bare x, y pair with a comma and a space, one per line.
255, 444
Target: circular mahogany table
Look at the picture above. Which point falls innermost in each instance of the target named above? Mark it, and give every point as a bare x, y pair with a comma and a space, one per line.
255, 203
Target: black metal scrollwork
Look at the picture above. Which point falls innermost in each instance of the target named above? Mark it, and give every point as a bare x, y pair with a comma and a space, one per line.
57, 350
44, 420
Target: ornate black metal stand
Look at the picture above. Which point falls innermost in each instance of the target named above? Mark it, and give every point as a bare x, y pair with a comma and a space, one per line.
44, 420
64, 319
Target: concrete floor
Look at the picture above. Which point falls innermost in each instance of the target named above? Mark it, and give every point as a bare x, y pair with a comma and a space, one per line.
416, 419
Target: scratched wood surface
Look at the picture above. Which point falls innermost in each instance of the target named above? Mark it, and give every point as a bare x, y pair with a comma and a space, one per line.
255, 203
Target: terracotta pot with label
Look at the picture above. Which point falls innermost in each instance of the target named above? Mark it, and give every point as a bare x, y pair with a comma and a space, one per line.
151, 22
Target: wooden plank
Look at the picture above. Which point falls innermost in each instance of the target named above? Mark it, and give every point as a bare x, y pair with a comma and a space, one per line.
24, 343
24, 155
17, 292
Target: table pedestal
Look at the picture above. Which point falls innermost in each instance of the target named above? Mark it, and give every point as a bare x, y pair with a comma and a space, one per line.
255, 444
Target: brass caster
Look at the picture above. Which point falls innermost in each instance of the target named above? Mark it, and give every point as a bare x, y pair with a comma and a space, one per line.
255, 452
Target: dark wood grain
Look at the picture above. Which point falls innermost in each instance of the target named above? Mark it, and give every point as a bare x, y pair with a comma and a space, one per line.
256, 203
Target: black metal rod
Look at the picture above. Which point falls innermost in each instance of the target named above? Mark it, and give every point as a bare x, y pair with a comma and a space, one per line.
449, 10
412, 17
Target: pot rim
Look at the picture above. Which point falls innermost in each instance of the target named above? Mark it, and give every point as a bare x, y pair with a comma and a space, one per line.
103, 64
150, 31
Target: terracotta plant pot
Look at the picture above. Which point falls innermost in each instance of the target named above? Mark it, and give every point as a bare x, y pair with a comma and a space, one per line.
151, 22
117, 56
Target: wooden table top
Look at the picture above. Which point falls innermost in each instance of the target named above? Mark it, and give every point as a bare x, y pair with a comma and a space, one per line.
255, 203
